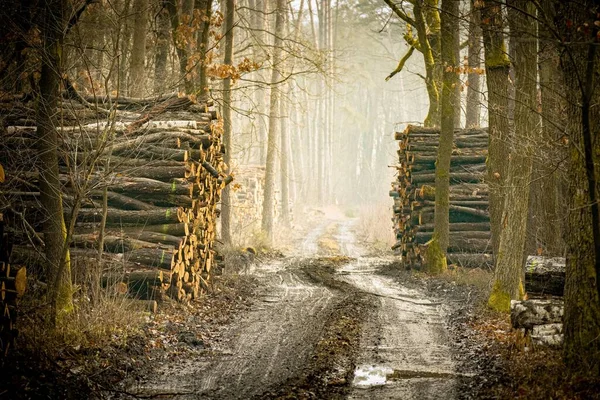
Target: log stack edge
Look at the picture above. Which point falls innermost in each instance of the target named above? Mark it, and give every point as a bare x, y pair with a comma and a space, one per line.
414, 196
159, 164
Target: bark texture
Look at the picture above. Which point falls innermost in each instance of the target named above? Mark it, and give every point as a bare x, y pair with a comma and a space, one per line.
473, 109
55, 232
227, 129
508, 275
497, 67
436, 257
580, 60
269, 192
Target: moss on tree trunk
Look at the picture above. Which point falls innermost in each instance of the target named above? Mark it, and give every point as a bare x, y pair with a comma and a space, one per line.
436, 252
580, 61
510, 257
496, 66
55, 232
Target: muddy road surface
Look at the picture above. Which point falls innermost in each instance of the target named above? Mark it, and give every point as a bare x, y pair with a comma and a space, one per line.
321, 327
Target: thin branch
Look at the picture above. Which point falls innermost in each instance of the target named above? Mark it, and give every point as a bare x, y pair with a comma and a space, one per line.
403, 61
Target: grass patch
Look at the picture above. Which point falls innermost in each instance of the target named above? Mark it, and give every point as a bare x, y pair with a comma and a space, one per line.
327, 243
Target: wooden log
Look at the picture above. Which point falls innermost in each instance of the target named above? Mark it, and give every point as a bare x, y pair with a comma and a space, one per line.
151, 152
456, 177
544, 275
123, 202
160, 173
135, 186
547, 334
13, 282
139, 142
422, 237
458, 227
174, 229
164, 200
157, 258
475, 204
455, 160
155, 237
116, 217
463, 245
113, 243
124, 163
528, 313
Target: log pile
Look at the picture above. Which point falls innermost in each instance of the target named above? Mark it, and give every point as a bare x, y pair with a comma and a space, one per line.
545, 276
246, 199
541, 315
541, 319
158, 164
414, 196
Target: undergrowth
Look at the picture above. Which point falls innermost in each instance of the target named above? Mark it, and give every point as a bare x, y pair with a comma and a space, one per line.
374, 227
530, 372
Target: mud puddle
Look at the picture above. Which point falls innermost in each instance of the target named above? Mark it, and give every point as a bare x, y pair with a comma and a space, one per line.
404, 346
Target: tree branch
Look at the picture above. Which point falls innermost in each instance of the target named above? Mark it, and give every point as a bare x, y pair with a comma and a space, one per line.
75, 18
401, 14
400, 66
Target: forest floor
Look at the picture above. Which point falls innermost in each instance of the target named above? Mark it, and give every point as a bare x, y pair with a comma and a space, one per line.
332, 318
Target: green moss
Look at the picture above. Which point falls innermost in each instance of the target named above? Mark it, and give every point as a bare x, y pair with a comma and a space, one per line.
498, 58
499, 299
435, 258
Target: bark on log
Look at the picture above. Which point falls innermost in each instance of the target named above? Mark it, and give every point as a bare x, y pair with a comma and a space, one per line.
459, 244
146, 305
157, 258
458, 227
160, 173
115, 244
456, 177
545, 275
124, 202
116, 217
136, 186
528, 313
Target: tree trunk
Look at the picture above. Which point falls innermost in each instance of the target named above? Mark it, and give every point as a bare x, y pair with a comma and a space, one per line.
138, 51
185, 80
162, 51
429, 54
269, 191
473, 109
55, 232
437, 248
497, 67
579, 61
227, 128
508, 275
549, 184
284, 165
205, 7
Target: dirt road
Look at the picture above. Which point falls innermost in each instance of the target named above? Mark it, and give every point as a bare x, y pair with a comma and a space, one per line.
322, 327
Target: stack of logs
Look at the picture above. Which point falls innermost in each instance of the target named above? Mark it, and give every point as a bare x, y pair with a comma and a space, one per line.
158, 164
414, 196
540, 317
246, 199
